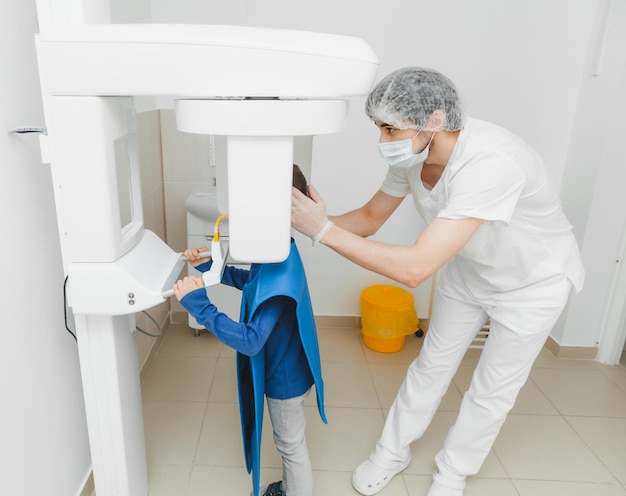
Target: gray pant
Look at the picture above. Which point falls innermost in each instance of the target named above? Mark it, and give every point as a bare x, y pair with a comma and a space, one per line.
289, 423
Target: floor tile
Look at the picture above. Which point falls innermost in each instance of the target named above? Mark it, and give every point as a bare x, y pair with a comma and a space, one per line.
581, 392
348, 385
532, 401
179, 378
181, 340
566, 434
340, 345
168, 480
347, 439
547, 359
207, 481
471, 357
616, 373
607, 439
478, 486
172, 429
418, 485
220, 440
387, 379
549, 488
547, 448
451, 401
224, 385
335, 483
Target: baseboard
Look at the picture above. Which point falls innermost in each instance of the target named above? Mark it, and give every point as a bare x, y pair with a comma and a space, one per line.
89, 489
345, 321
350, 321
354, 322
575, 352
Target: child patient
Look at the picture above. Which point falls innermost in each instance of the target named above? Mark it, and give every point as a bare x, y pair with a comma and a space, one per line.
277, 356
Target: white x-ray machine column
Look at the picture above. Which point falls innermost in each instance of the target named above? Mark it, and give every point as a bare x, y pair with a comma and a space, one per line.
259, 87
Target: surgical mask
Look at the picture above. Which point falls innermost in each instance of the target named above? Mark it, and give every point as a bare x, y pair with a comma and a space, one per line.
401, 152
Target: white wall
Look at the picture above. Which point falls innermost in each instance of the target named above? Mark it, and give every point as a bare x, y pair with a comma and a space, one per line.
123, 11
151, 165
518, 64
594, 192
44, 447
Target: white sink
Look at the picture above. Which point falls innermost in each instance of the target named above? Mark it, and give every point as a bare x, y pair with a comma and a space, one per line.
204, 206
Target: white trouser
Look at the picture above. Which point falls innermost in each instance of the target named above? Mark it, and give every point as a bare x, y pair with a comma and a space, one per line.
516, 336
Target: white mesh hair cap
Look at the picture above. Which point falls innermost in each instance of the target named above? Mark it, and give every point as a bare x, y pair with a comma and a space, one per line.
407, 97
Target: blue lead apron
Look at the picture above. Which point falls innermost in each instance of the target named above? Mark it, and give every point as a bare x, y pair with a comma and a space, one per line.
285, 278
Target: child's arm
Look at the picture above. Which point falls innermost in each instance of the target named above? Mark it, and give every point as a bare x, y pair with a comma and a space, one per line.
193, 256
234, 277
247, 338
185, 286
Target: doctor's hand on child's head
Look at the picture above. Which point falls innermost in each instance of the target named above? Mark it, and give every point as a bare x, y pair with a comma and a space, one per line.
193, 255
185, 286
308, 213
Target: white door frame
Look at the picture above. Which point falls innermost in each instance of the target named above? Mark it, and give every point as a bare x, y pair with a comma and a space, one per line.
613, 325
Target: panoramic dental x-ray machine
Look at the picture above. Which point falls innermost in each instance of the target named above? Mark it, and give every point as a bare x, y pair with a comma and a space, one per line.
260, 88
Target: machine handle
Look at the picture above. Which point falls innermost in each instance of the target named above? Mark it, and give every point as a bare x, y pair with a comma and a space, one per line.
170, 292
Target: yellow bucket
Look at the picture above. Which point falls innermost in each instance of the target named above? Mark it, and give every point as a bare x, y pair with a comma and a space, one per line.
387, 316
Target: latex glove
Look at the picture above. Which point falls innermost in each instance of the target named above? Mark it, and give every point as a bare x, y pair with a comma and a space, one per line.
308, 214
193, 255
185, 286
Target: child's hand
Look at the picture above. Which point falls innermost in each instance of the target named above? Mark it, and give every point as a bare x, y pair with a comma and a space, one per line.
193, 255
187, 285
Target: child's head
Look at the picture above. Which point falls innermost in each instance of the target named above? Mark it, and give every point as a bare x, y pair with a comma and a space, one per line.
299, 181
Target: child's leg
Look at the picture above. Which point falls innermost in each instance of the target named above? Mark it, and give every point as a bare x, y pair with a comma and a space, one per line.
289, 422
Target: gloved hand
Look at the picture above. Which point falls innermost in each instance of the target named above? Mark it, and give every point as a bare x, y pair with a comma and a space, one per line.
308, 214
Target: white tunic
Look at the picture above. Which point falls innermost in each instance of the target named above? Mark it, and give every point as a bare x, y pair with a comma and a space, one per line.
525, 244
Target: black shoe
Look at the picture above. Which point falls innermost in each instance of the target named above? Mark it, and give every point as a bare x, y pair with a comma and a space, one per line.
274, 489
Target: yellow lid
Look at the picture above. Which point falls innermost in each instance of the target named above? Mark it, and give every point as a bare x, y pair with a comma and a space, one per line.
387, 295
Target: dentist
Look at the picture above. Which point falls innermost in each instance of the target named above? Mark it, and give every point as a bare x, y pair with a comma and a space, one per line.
507, 254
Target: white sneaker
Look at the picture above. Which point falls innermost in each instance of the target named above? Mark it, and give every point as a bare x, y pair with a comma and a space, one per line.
370, 478
443, 486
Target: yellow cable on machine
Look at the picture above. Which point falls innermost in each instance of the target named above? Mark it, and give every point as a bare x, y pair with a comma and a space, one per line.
216, 230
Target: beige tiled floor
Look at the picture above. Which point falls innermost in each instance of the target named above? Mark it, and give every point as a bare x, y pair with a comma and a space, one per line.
566, 435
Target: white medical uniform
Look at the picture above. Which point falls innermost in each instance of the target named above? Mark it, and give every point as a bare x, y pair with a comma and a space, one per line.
517, 270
